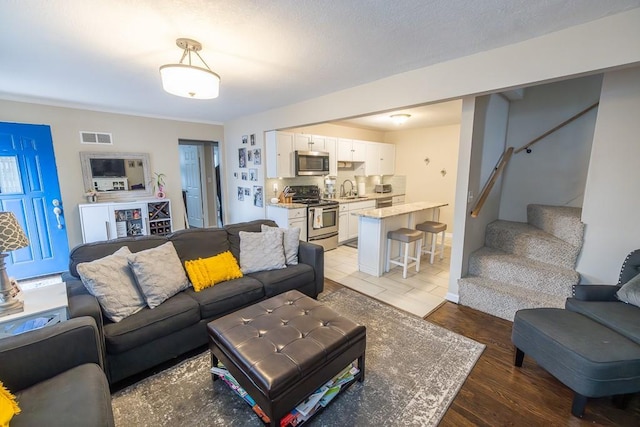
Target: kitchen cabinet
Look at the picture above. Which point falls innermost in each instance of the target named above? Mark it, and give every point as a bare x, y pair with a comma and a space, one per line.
380, 158
397, 200
279, 154
331, 147
351, 150
289, 218
107, 221
306, 142
348, 223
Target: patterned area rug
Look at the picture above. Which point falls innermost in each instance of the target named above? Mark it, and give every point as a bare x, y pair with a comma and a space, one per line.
414, 370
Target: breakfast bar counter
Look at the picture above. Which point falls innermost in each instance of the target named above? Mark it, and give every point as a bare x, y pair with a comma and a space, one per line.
375, 223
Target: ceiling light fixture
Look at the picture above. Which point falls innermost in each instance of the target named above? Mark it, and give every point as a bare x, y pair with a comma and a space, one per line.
188, 80
399, 119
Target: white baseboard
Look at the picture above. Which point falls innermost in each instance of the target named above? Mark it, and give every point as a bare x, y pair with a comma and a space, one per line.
452, 297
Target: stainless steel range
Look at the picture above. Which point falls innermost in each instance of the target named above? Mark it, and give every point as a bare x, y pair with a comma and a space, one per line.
322, 216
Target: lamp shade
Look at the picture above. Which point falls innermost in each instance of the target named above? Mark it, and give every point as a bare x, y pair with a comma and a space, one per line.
190, 81
12, 236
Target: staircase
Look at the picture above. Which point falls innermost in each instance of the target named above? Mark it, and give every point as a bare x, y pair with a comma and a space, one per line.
525, 265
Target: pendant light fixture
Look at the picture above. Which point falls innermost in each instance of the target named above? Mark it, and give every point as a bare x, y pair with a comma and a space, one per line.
188, 80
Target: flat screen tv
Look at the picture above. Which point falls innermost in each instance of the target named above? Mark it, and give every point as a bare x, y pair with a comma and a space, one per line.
107, 168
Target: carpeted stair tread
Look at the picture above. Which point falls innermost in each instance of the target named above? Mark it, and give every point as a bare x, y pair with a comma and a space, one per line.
535, 275
502, 299
528, 241
564, 222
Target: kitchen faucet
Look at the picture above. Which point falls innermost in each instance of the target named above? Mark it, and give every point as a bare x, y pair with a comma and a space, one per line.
342, 192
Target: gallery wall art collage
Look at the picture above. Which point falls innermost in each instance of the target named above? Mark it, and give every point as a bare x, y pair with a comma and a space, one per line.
247, 157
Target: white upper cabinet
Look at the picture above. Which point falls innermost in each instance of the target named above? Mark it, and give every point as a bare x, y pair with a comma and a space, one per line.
302, 142
279, 155
381, 158
387, 159
351, 150
331, 146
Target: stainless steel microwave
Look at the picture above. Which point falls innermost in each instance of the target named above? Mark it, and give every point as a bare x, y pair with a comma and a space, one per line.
311, 163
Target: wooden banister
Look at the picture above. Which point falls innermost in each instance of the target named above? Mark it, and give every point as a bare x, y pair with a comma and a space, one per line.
549, 132
495, 174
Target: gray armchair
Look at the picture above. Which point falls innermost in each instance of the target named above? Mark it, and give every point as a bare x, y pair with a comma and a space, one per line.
56, 374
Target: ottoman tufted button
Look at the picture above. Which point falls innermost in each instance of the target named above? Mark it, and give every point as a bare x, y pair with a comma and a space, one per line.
285, 322
269, 311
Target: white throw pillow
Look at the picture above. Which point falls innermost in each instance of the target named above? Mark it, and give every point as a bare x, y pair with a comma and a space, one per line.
630, 292
262, 251
159, 273
291, 241
111, 281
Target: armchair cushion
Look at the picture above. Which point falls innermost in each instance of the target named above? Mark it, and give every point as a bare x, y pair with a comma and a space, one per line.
595, 292
77, 397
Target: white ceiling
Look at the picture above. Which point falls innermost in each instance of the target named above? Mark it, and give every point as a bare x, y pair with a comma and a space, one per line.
105, 54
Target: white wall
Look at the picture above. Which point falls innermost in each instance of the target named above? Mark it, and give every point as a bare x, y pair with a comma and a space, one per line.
424, 182
597, 45
555, 172
611, 202
157, 137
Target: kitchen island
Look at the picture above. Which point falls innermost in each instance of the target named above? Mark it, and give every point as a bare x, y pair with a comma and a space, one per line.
375, 223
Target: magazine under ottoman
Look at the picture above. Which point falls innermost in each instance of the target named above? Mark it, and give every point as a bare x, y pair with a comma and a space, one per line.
283, 349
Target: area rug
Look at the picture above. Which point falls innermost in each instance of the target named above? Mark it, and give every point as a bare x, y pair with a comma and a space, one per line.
414, 370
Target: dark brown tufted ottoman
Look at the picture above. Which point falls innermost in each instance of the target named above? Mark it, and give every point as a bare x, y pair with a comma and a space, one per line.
284, 348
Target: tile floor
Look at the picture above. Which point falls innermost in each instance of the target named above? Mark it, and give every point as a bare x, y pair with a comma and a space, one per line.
419, 294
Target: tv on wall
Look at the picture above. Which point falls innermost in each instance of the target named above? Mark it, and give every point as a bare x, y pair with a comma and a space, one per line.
107, 168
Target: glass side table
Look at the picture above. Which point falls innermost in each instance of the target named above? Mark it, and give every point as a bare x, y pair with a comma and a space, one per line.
43, 306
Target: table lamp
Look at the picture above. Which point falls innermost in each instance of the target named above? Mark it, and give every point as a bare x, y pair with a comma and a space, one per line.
12, 237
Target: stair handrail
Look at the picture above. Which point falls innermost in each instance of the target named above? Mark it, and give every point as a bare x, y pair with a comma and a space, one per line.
561, 125
495, 174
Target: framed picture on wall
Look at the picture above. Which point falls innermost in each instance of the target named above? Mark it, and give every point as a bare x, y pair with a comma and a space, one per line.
253, 139
257, 157
240, 194
258, 196
247, 191
253, 174
244, 176
242, 157
244, 139
250, 156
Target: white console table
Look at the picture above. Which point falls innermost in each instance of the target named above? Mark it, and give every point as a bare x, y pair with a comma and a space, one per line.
43, 306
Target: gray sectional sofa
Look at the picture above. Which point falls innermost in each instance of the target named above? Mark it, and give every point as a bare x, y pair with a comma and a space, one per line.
178, 325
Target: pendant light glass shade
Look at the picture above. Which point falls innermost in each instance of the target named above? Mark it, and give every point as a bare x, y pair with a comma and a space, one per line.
187, 80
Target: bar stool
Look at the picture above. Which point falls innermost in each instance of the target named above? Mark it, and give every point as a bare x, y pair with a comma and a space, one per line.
406, 236
434, 228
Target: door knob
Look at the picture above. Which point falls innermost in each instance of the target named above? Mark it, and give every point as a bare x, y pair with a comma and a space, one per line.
57, 212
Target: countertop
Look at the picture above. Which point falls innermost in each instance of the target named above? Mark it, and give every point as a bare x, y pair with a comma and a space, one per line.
368, 196
392, 211
371, 196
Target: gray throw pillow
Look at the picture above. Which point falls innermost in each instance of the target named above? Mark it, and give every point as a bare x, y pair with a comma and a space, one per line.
291, 241
262, 251
111, 281
630, 292
159, 273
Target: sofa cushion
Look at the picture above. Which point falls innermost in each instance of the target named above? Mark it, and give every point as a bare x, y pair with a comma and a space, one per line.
159, 273
278, 281
227, 296
290, 241
233, 232
111, 281
194, 243
622, 318
206, 272
262, 251
77, 397
174, 314
630, 291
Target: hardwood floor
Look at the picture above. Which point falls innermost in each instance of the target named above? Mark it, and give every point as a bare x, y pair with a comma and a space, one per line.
496, 393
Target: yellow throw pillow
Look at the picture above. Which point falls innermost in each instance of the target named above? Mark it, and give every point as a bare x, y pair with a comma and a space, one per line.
8, 406
206, 272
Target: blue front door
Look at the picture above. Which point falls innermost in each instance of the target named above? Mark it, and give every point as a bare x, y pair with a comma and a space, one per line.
29, 188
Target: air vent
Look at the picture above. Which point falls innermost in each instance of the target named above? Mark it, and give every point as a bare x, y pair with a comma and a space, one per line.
95, 138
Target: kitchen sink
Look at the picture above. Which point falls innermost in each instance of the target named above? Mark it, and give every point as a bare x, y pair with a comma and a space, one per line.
354, 197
